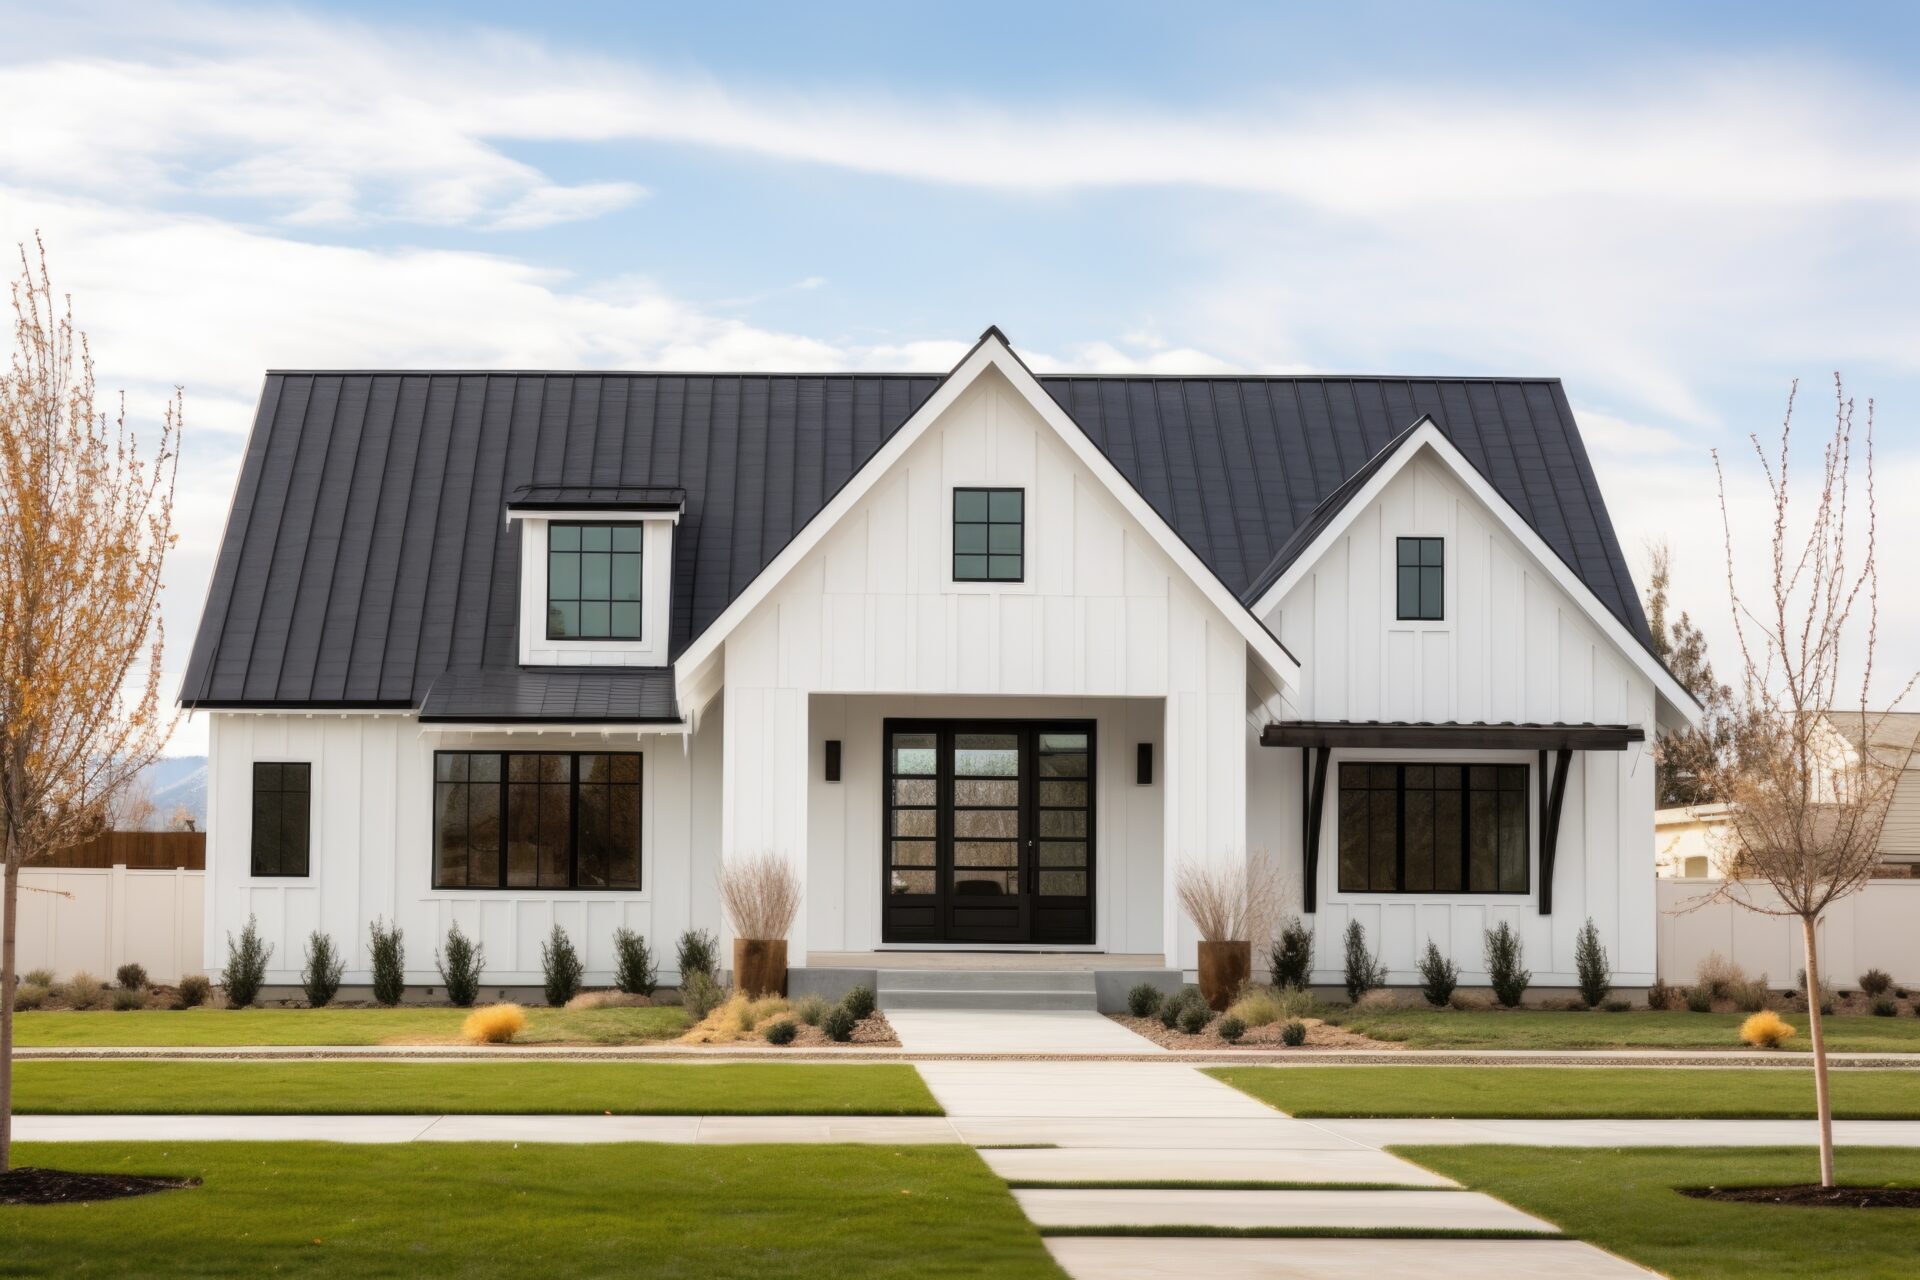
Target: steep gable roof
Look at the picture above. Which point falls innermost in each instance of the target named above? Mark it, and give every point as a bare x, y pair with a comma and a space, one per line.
368, 550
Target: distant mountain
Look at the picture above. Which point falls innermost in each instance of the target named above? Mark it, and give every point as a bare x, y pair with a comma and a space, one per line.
180, 782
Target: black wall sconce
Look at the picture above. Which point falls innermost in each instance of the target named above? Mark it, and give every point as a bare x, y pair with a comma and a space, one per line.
1143, 764
833, 759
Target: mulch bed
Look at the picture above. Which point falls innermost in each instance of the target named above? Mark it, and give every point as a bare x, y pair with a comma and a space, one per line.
1320, 1035
57, 1186
1813, 1195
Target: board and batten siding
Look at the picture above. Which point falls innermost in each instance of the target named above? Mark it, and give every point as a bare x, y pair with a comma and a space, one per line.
372, 849
1512, 647
1103, 613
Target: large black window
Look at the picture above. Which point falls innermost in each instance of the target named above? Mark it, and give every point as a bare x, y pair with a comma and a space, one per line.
1433, 828
1422, 579
593, 581
282, 818
989, 535
536, 820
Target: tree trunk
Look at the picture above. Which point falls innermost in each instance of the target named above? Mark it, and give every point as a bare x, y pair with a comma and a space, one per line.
1822, 1098
9, 979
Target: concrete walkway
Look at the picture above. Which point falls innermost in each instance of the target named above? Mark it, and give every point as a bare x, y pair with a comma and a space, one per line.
1027, 1032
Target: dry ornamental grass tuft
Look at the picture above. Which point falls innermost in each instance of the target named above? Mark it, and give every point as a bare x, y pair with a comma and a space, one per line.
1765, 1030
495, 1024
761, 894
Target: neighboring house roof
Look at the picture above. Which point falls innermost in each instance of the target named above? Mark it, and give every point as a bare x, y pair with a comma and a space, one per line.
367, 552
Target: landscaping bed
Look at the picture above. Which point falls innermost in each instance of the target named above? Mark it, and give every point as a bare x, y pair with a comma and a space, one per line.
335, 1025
1529, 1028
470, 1088
1320, 1035
1568, 1093
29, 1186
1629, 1202
508, 1210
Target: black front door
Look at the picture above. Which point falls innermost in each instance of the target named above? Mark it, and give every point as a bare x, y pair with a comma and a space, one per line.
989, 832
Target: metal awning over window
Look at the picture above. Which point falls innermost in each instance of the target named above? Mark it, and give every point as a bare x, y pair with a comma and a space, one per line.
1555, 743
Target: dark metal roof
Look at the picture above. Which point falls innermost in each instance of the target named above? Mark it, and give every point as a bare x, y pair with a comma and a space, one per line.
553, 695
1451, 734
367, 550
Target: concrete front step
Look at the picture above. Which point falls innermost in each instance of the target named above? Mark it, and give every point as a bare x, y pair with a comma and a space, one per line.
990, 1000
986, 989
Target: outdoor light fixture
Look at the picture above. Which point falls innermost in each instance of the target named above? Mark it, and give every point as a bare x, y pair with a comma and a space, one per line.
1143, 764
833, 759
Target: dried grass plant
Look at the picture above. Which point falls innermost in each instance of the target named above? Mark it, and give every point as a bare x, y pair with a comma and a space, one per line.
495, 1024
1229, 899
761, 894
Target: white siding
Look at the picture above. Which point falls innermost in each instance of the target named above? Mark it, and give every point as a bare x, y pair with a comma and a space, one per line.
372, 848
1513, 647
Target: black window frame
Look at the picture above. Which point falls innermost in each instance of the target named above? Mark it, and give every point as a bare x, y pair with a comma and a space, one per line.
505, 782
989, 555
284, 796
580, 600
1425, 572
1508, 793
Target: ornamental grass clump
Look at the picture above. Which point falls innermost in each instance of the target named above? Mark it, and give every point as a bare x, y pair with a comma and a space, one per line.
246, 969
562, 967
1699, 1000
1884, 1007
461, 962
633, 970
1765, 1030
126, 998
29, 996
192, 991
1505, 975
761, 895
83, 991
1263, 1006
320, 974
1438, 976
38, 977
495, 1024
811, 1009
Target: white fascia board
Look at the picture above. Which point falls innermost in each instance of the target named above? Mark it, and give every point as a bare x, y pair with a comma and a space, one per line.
578, 515
990, 352
1428, 435
601, 729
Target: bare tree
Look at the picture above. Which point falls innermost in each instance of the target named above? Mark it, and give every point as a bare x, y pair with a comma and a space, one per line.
86, 518
1688, 761
133, 808
1805, 804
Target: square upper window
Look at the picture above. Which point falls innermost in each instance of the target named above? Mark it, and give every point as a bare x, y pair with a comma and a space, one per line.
989, 535
593, 581
1421, 571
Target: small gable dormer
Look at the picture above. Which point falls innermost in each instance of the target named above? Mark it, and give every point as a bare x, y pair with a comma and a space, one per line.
596, 573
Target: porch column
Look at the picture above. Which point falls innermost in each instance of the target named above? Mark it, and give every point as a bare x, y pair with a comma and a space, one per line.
1206, 771
763, 801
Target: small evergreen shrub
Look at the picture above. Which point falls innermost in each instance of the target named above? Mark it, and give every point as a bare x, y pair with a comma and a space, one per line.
1662, 996
193, 991
1294, 1034
781, 1031
246, 969
29, 995
38, 977
388, 948
125, 998
1875, 982
1292, 956
1144, 1000
811, 1010
1884, 1007
698, 952
460, 965
859, 1002
701, 995
1363, 972
1178, 1003
320, 975
132, 977
1590, 959
1765, 1030
1231, 1029
1504, 972
633, 969
495, 1024
562, 967
1194, 1018
1438, 976
1617, 1005
839, 1024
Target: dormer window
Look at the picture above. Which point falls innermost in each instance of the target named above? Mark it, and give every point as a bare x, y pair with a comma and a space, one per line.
593, 581
989, 535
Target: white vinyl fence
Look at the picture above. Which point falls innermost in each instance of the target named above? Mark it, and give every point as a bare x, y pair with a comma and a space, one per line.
98, 918
1872, 929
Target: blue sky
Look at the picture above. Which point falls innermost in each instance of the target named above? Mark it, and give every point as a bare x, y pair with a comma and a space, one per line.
1678, 209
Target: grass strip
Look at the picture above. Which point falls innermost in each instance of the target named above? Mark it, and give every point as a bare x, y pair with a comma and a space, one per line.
1312, 1233
1638, 1029
508, 1087
1623, 1200
1571, 1093
484, 1210
230, 1028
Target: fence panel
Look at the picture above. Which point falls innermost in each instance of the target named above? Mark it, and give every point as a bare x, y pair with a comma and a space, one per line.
98, 918
1871, 929
159, 850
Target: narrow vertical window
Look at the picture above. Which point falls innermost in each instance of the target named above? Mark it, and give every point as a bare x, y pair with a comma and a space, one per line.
989, 535
282, 810
593, 581
1421, 581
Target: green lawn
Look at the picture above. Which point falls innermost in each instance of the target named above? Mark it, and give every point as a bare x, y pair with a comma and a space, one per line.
1623, 1201
511, 1088
223, 1027
489, 1209
1639, 1029
1617, 1093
